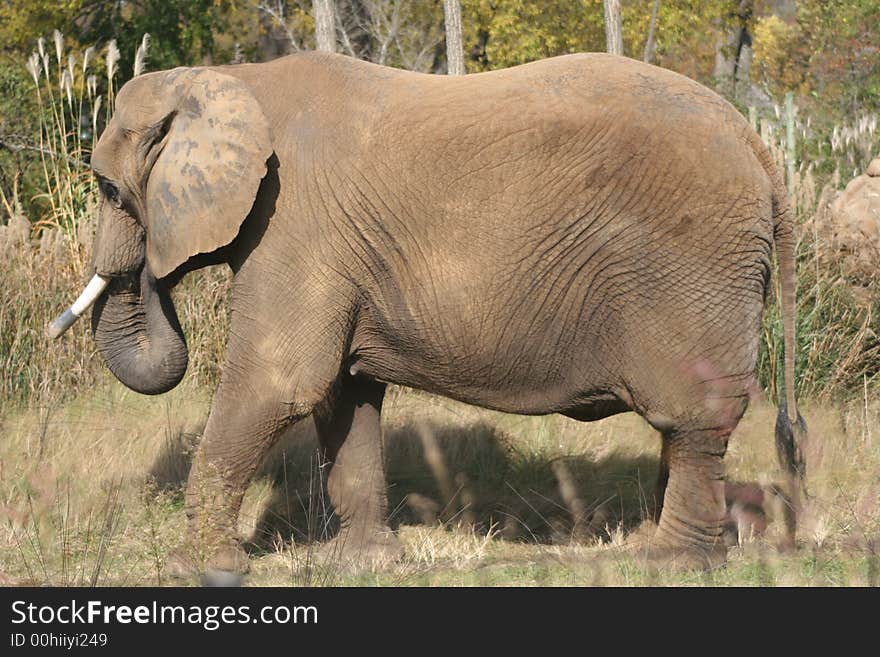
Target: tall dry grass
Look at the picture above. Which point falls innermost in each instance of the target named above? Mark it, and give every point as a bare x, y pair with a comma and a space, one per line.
838, 322
42, 275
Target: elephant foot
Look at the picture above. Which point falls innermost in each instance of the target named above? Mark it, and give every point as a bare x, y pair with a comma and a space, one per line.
357, 549
225, 567
676, 559
667, 554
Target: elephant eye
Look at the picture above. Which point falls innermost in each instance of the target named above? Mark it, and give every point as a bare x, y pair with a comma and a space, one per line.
110, 192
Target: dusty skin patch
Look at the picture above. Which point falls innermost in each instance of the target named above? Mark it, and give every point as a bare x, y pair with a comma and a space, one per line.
91, 494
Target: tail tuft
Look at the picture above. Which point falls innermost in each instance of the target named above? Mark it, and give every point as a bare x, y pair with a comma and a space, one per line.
791, 443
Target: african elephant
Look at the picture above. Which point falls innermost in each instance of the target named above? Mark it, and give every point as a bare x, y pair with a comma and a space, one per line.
583, 235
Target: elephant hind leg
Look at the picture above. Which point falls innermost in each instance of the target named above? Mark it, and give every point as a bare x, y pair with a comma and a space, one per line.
690, 502
693, 508
348, 427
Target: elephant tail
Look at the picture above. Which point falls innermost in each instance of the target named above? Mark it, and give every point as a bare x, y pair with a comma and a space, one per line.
791, 430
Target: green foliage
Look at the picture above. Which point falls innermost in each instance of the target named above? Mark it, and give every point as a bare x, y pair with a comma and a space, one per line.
183, 31
686, 33
827, 54
23, 21
38, 132
502, 33
826, 51
19, 122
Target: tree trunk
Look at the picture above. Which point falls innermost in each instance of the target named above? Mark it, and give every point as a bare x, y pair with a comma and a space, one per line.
743, 82
613, 27
733, 50
325, 25
652, 26
454, 46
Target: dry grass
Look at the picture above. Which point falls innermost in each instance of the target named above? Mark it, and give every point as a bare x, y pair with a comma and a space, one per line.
838, 324
90, 494
42, 277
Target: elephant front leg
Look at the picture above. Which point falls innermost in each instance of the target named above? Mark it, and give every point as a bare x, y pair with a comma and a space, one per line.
237, 438
348, 428
259, 395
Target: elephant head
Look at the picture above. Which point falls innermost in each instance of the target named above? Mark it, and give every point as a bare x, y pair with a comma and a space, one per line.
179, 167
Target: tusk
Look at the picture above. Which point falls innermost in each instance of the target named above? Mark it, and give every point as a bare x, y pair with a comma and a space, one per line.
66, 319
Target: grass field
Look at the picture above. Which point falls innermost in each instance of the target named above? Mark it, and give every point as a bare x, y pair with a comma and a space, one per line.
90, 493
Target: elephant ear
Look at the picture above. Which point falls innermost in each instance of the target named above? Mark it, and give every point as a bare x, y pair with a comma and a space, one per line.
215, 143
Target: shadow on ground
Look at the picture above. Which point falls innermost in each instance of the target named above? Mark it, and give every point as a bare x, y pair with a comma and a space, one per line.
469, 476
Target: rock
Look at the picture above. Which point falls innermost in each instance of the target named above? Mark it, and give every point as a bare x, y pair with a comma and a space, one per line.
848, 228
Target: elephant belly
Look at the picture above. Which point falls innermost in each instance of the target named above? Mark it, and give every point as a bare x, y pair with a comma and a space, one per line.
531, 399
495, 365
590, 346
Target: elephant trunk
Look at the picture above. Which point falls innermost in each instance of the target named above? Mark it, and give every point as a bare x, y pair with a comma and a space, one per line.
138, 334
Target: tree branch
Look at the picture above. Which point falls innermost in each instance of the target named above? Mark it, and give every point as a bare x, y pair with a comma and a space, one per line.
652, 26
276, 13
23, 146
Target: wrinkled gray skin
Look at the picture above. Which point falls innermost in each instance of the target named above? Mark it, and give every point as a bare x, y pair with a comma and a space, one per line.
584, 235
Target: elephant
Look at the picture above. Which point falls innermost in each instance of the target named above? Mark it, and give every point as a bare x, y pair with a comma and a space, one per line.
584, 235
